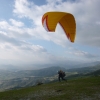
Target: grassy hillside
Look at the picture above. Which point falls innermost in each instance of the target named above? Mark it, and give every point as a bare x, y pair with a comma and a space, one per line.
25, 78
87, 88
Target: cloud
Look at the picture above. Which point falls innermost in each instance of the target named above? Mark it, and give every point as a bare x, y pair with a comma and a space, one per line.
85, 12
16, 23
23, 53
15, 29
29, 54
15, 36
4, 38
98, 22
82, 54
4, 24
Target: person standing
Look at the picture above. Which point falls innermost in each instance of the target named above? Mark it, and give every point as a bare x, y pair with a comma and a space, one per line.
61, 75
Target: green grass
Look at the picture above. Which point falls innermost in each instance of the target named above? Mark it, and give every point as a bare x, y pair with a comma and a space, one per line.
87, 88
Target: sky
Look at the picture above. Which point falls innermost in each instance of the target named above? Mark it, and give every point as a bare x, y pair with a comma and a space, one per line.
24, 42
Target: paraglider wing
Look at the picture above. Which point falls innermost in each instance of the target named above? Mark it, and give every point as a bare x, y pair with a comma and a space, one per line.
66, 20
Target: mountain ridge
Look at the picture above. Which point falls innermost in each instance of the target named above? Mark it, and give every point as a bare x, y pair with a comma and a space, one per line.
26, 78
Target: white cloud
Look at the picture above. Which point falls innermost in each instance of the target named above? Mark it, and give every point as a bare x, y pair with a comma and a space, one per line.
14, 35
85, 12
98, 22
82, 54
4, 25
28, 54
16, 23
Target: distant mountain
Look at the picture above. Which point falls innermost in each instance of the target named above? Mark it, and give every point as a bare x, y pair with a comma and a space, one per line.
45, 72
8, 67
50, 71
85, 69
95, 73
24, 78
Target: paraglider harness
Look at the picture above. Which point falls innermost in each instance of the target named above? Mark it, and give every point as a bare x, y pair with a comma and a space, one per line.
61, 75
64, 74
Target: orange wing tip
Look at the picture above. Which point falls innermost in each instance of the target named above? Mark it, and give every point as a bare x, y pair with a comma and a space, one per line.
69, 38
45, 23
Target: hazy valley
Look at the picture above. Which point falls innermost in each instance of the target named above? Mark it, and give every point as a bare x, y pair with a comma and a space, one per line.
25, 78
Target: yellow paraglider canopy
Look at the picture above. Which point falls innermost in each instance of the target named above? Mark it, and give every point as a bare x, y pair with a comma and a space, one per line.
66, 20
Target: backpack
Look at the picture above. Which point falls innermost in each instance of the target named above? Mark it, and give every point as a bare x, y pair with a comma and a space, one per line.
64, 74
